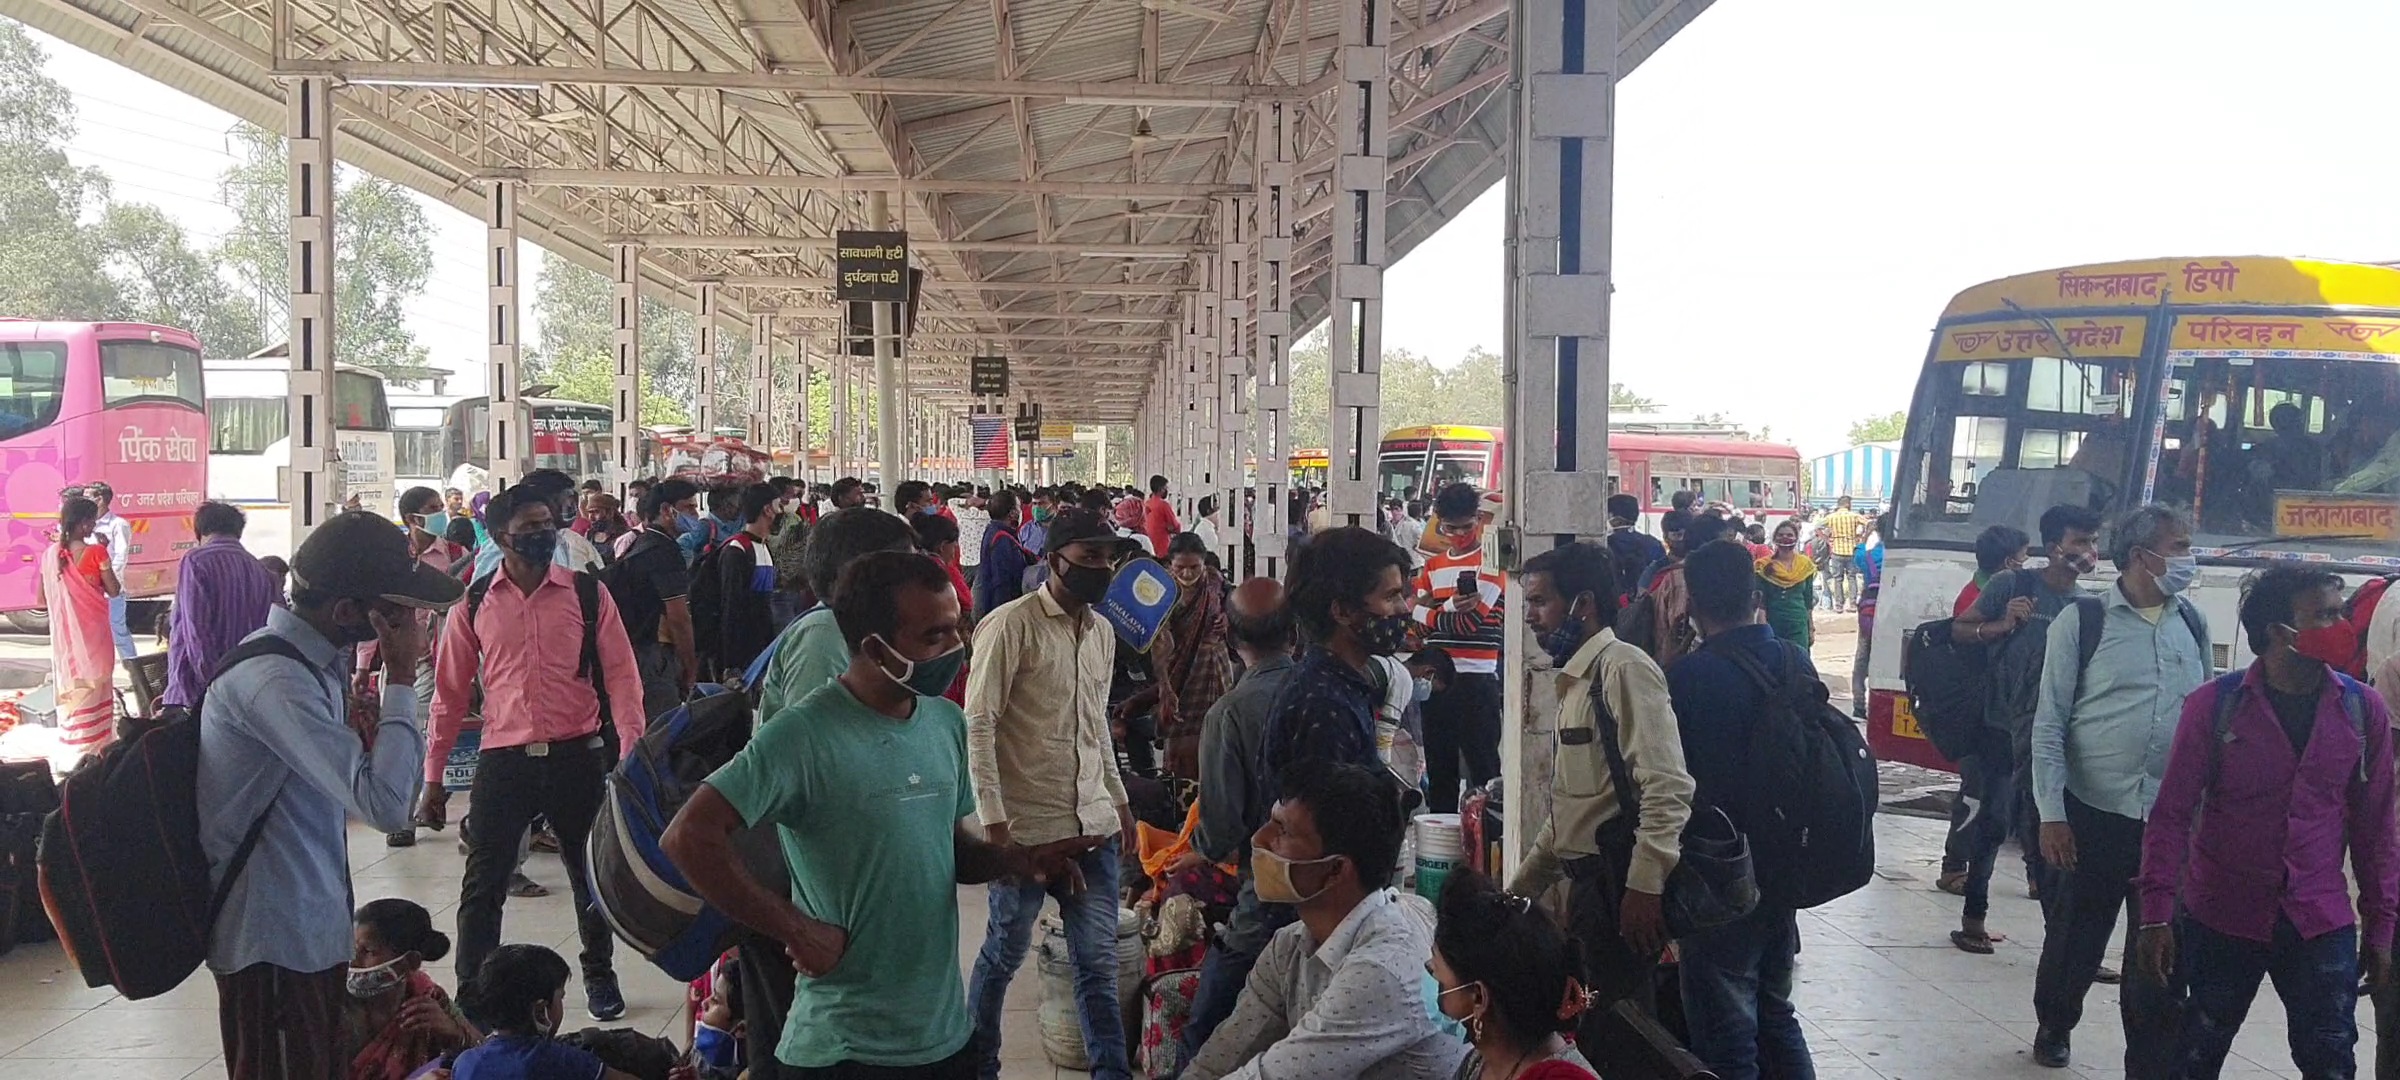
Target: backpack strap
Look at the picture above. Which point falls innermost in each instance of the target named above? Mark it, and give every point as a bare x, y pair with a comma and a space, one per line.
262, 645
1604, 726
2091, 619
2199, 627
2354, 706
587, 665
2220, 726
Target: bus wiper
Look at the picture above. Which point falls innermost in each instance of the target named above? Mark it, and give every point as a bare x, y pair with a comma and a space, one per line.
2048, 327
2256, 544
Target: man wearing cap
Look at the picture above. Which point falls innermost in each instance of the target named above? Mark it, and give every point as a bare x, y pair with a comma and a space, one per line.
1039, 752
279, 750
543, 749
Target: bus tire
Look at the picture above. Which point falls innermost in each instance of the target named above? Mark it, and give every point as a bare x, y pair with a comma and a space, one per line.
31, 621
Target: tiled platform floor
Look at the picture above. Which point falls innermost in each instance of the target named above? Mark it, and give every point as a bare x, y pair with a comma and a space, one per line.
1884, 995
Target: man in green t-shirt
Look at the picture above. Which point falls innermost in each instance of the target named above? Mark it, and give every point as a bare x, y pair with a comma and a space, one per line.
866, 781
810, 653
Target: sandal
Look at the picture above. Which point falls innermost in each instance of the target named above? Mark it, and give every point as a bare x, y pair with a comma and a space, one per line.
1979, 944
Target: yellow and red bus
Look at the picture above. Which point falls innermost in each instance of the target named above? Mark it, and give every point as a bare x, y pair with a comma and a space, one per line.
2259, 396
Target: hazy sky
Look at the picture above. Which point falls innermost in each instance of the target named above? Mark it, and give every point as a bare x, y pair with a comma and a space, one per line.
1800, 187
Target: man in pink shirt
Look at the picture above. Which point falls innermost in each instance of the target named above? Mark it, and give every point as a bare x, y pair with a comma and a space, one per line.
551, 692
2294, 763
1158, 518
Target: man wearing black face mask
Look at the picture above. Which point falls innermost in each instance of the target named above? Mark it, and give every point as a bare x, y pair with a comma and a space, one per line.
1045, 772
1348, 591
1617, 869
284, 756
545, 699
872, 919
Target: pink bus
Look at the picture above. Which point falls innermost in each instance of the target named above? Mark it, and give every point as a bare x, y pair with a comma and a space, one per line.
120, 402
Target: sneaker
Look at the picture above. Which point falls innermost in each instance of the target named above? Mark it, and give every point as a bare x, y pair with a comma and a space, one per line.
522, 886
602, 999
2050, 1048
400, 838
2107, 976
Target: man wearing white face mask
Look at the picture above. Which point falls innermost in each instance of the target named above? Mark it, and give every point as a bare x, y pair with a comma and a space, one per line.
1337, 993
2114, 675
866, 780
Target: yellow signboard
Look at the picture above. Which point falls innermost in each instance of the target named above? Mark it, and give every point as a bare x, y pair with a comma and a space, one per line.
2326, 514
2245, 280
1057, 431
1904, 719
2018, 339
2267, 334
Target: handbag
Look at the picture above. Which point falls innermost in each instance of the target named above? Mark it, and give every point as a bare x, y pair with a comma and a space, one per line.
1712, 883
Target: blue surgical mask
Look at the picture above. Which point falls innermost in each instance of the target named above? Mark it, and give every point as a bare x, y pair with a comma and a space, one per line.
687, 523
1422, 691
438, 523
2181, 571
713, 1046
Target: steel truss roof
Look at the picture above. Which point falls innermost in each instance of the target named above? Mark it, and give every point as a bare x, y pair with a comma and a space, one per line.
1055, 159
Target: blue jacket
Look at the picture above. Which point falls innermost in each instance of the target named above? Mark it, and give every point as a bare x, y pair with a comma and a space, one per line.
1001, 577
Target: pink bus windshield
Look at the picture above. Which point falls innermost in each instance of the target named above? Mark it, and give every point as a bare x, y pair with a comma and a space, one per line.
114, 402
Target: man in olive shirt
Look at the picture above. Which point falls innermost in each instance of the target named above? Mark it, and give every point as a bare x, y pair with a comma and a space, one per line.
866, 781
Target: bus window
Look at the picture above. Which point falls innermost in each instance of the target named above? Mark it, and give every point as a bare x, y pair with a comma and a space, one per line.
417, 453
1997, 436
142, 372
247, 425
2267, 428
33, 384
359, 403
1401, 476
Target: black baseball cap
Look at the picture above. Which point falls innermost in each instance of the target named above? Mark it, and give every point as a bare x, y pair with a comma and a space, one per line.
361, 555
1080, 526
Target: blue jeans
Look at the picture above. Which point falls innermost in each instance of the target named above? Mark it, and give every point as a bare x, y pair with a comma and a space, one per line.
2317, 979
116, 625
1091, 921
1737, 997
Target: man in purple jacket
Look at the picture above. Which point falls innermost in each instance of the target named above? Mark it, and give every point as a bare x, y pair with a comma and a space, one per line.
2294, 763
221, 595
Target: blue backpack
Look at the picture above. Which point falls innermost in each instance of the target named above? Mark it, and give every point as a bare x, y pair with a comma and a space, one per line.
645, 898
2229, 698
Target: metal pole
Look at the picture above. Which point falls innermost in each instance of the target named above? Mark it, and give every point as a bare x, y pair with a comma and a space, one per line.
625, 410
1564, 70
315, 485
762, 380
508, 417
800, 406
887, 366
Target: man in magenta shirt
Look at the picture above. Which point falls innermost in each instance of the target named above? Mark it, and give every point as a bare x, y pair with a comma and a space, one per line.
543, 750
1158, 518
2294, 772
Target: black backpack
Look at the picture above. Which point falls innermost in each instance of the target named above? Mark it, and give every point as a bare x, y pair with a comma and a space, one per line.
123, 874
1810, 808
707, 602
1947, 684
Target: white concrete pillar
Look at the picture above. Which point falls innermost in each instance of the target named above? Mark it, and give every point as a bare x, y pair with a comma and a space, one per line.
1362, 115
888, 392
704, 411
625, 406
1231, 379
315, 477
1560, 201
800, 406
1278, 159
762, 381
509, 419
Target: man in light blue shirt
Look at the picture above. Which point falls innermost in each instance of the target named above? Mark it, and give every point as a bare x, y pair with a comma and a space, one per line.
119, 533
2100, 737
280, 754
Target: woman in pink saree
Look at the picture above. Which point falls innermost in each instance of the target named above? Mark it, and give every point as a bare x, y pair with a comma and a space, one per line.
76, 583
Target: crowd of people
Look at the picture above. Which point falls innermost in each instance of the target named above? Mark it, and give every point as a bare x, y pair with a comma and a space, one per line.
939, 701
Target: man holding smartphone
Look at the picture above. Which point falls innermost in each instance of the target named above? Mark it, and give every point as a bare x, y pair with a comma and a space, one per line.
1459, 608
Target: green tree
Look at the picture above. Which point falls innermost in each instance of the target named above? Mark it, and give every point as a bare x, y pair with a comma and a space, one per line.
1885, 428
51, 264
162, 279
383, 250
576, 345
1621, 399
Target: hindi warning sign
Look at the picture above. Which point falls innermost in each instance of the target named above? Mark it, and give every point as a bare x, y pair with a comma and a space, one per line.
988, 375
1027, 428
870, 265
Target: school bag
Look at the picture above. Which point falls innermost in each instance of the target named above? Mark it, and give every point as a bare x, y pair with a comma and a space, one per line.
123, 875
1166, 1000
2359, 612
1813, 792
647, 901
27, 795
1947, 683
707, 602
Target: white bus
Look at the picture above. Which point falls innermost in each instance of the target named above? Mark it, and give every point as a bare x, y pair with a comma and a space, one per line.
250, 448
417, 451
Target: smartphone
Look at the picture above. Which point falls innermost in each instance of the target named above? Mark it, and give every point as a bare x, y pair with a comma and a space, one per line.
1467, 585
